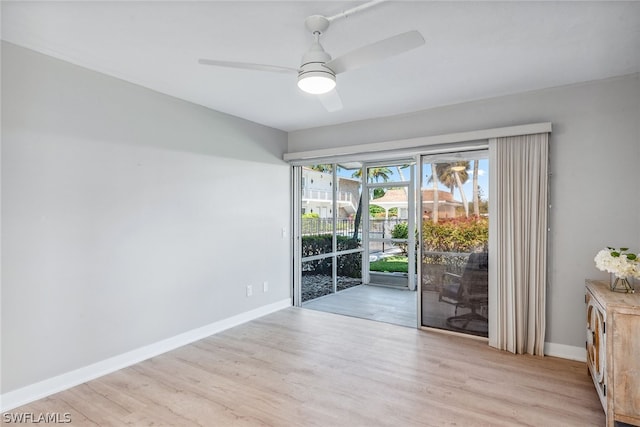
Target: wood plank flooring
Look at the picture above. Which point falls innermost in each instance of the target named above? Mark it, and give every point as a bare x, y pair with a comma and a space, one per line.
301, 367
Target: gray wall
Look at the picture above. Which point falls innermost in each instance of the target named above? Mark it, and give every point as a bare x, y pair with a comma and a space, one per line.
595, 161
128, 217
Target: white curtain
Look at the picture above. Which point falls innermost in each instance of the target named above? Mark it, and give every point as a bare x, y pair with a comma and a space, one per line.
518, 243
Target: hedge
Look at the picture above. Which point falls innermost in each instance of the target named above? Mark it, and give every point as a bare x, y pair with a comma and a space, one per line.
349, 265
456, 235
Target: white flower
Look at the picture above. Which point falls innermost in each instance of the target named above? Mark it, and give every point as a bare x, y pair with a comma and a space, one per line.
618, 262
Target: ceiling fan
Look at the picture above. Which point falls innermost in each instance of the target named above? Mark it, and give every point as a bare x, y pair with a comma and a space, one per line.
317, 71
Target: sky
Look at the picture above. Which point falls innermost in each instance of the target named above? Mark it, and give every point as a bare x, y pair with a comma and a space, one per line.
483, 179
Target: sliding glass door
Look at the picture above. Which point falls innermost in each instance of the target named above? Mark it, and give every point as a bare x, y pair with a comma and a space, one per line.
369, 245
355, 246
454, 242
328, 227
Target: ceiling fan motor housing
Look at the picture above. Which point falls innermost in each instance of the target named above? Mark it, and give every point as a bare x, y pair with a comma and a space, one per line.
313, 76
313, 61
312, 69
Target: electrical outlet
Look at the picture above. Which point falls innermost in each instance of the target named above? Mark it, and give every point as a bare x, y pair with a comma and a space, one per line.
249, 290
265, 286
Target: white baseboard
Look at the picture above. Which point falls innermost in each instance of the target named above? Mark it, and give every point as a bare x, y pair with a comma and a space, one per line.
565, 351
45, 388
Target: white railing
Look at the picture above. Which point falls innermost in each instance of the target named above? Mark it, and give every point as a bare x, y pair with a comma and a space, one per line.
310, 195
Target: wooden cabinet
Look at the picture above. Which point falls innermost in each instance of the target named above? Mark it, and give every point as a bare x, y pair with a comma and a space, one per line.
613, 350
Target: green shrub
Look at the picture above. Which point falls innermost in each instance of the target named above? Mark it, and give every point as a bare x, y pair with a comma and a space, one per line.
401, 231
456, 235
349, 265
375, 210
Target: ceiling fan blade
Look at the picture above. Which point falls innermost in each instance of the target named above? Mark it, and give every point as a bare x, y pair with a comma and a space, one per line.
376, 51
248, 66
331, 101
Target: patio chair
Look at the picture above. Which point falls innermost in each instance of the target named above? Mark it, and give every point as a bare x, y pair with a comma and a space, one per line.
468, 291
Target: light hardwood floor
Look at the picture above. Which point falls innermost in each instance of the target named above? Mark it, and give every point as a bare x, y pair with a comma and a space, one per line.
302, 367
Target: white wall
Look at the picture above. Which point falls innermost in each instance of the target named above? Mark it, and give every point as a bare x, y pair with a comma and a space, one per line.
595, 161
128, 217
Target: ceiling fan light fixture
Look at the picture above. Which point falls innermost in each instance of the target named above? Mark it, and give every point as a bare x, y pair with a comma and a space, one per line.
316, 82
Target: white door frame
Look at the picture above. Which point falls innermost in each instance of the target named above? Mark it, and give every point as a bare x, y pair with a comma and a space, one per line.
411, 220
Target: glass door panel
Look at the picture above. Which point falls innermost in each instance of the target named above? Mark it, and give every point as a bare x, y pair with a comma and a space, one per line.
349, 271
454, 230
348, 199
317, 279
317, 209
391, 215
330, 229
338, 231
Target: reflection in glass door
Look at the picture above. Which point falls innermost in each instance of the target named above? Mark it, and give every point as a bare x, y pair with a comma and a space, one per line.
454, 241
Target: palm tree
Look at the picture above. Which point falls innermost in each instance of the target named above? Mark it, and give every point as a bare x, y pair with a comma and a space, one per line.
399, 169
446, 173
476, 195
454, 175
372, 174
322, 168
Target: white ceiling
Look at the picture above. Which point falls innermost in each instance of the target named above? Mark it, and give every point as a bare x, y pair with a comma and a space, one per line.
473, 50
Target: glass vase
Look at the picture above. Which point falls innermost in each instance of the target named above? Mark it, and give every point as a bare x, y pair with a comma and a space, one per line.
621, 284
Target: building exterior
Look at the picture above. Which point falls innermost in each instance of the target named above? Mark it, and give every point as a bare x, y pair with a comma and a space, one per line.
397, 198
317, 196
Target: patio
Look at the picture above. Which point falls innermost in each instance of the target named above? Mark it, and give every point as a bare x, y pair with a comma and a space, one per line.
379, 303
392, 305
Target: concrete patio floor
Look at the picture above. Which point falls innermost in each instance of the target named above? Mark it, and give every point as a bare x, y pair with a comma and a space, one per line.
390, 305
379, 303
